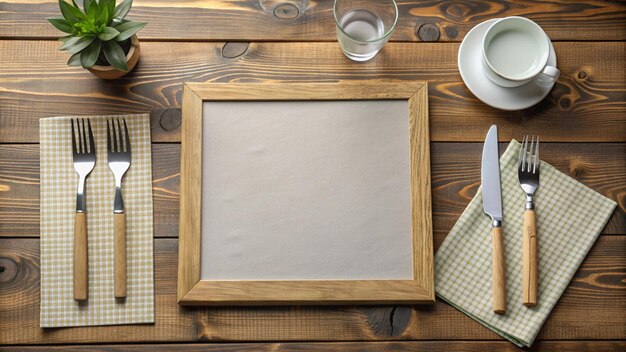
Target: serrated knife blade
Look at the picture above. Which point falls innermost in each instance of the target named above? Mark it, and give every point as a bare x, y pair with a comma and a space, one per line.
492, 206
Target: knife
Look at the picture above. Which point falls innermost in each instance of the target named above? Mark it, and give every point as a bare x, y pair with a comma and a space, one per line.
492, 206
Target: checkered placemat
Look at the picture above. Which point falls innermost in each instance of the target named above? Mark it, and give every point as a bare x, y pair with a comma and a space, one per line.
570, 216
58, 205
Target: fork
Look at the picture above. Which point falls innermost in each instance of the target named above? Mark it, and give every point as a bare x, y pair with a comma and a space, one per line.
84, 157
118, 155
528, 175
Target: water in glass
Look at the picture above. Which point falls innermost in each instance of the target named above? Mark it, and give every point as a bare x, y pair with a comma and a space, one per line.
361, 28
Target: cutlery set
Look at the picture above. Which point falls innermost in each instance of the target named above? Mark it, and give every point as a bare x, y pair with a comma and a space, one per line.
119, 159
528, 175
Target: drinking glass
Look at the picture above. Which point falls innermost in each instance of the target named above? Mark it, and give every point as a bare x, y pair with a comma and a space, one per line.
364, 26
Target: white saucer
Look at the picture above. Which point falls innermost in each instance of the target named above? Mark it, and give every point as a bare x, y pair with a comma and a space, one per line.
470, 66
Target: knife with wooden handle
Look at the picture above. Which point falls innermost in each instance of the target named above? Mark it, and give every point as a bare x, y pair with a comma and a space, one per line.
492, 206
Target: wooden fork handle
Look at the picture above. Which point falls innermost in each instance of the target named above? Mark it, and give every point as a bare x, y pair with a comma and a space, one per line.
119, 255
499, 270
81, 268
529, 262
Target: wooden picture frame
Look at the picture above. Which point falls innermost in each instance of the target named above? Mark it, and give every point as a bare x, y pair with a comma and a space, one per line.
194, 291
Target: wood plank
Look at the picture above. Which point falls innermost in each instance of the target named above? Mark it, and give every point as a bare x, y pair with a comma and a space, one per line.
19, 189
455, 171
588, 102
598, 287
397, 346
305, 20
456, 176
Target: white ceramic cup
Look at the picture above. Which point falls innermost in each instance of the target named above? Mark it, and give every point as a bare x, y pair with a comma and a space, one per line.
515, 51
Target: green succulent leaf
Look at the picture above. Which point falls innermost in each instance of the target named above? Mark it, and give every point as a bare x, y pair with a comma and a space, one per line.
74, 60
93, 12
66, 38
71, 13
88, 28
128, 29
108, 34
117, 21
89, 56
122, 9
115, 55
87, 4
81, 44
109, 5
110, 10
68, 42
77, 44
104, 17
62, 24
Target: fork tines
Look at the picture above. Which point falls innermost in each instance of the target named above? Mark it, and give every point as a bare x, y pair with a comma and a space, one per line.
116, 141
529, 155
84, 146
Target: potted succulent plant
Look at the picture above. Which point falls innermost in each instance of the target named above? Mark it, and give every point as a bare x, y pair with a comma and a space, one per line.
99, 38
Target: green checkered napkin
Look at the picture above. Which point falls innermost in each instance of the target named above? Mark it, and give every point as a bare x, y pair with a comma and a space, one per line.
570, 216
58, 205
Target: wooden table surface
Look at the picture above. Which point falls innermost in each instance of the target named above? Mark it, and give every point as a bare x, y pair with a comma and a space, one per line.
582, 124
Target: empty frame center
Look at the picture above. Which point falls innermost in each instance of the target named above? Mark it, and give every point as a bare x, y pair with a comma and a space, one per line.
306, 190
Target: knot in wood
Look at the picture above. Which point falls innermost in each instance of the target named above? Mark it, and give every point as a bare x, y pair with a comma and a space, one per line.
389, 321
234, 49
576, 168
8, 270
428, 32
565, 103
286, 11
582, 75
452, 32
170, 119
457, 10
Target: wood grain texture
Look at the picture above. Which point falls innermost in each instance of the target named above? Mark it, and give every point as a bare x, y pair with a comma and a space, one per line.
119, 255
193, 291
456, 176
80, 259
19, 189
191, 189
395, 346
270, 91
421, 197
588, 102
455, 172
307, 292
529, 259
303, 20
598, 287
498, 270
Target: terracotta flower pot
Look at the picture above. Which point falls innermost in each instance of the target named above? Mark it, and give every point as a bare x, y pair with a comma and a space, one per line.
110, 72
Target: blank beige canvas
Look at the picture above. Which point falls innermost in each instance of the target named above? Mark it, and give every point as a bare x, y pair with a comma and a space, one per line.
306, 190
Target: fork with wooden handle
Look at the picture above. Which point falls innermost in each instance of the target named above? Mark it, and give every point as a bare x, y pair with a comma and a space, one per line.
528, 174
118, 155
84, 158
